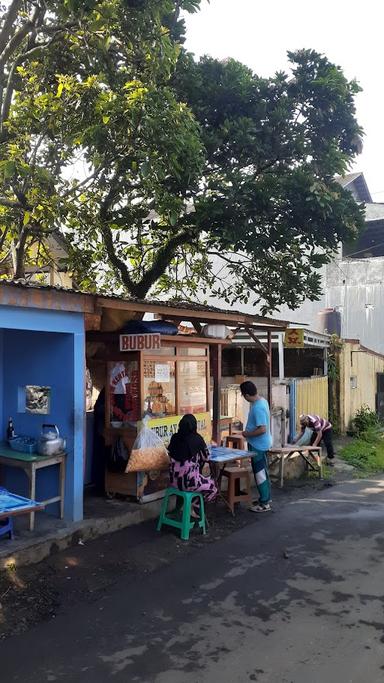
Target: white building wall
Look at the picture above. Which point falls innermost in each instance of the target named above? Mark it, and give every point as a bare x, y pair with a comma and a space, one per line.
356, 288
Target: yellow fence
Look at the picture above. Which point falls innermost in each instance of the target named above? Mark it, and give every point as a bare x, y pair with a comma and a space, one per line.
312, 396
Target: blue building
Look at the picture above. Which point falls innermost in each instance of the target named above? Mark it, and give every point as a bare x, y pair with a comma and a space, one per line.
42, 343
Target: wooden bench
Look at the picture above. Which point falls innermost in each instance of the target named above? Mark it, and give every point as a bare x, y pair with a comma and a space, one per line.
283, 454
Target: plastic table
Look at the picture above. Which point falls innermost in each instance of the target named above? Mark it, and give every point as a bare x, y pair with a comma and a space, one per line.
222, 455
219, 457
12, 505
30, 463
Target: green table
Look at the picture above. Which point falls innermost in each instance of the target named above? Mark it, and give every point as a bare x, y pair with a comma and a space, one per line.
30, 463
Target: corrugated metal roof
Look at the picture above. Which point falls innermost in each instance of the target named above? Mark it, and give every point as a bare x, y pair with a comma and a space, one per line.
360, 188
374, 211
347, 179
176, 305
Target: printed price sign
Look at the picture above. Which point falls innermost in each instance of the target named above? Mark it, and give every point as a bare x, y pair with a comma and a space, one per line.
162, 372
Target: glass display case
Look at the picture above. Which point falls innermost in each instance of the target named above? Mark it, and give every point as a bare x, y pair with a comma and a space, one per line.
168, 382
159, 388
192, 386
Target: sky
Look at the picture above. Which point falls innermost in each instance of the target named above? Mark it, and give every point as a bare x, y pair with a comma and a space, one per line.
350, 34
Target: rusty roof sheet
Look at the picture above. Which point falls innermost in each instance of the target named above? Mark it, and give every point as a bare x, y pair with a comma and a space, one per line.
177, 308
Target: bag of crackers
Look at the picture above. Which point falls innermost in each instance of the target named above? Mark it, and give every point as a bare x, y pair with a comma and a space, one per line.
148, 452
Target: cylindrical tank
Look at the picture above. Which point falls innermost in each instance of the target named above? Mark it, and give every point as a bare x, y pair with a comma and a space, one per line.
330, 321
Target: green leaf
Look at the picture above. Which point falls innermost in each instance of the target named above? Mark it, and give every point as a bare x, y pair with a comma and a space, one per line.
9, 169
26, 218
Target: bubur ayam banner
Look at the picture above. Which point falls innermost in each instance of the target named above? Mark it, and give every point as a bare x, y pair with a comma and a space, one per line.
165, 427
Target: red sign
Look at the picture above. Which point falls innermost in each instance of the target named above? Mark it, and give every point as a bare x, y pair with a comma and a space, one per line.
139, 342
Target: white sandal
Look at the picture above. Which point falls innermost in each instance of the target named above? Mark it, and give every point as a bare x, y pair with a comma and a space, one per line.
261, 508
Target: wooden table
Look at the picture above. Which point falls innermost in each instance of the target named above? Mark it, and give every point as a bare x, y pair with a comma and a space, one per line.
283, 454
30, 463
225, 423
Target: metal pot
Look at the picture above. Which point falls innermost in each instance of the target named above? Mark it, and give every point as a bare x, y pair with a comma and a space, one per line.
50, 442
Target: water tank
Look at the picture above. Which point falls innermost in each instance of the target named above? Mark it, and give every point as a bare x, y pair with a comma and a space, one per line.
330, 321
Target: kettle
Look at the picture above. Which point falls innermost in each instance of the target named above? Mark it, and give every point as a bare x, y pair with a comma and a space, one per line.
50, 442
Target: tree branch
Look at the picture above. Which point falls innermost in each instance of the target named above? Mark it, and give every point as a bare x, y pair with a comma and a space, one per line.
8, 24
7, 101
20, 252
160, 264
82, 183
120, 268
3, 237
229, 260
32, 160
7, 255
57, 28
15, 42
11, 203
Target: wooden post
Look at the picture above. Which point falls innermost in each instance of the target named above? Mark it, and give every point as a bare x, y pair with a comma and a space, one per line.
216, 371
269, 362
281, 355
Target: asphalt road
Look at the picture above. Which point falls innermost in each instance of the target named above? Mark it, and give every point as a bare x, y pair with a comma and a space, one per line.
295, 597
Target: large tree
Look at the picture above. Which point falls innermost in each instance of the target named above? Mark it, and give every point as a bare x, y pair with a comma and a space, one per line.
269, 212
192, 176
85, 98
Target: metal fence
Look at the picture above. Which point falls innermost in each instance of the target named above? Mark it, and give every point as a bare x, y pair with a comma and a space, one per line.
308, 397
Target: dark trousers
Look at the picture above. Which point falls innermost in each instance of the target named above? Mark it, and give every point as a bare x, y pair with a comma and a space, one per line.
327, 441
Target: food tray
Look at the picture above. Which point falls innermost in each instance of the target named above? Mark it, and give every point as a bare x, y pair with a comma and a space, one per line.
23, 444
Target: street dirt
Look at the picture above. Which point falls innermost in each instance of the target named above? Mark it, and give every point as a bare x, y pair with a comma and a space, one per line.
84, 573
292, 596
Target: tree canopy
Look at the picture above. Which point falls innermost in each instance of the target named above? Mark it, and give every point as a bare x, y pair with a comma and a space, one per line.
166, 174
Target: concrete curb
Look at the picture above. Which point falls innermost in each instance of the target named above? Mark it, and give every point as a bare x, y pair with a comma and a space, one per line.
33, 550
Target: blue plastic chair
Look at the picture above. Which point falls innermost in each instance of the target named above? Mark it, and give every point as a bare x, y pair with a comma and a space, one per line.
6, 527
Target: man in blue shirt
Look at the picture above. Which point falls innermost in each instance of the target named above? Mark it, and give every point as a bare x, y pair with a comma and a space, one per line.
258, 435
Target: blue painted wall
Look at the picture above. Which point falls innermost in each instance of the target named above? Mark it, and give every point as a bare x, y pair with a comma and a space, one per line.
46, 348
1, 385
292, 410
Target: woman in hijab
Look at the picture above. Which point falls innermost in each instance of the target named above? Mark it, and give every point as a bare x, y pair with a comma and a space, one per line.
188, 453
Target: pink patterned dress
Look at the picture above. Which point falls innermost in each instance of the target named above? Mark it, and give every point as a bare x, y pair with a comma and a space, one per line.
187, 476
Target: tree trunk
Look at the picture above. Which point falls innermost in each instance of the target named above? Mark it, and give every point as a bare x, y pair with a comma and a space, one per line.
20, 257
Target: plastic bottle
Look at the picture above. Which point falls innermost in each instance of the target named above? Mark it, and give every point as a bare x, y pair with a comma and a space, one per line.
10, 429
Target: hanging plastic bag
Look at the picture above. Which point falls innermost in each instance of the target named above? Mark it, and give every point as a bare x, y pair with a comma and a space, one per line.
148, 451
118, 457
305, 439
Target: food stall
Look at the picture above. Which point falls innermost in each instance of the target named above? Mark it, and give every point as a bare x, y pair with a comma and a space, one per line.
157, 378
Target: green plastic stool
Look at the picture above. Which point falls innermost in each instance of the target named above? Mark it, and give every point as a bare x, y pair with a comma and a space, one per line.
185, 525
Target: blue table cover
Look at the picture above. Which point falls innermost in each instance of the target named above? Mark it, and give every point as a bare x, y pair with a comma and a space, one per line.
9, 502
222, 454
